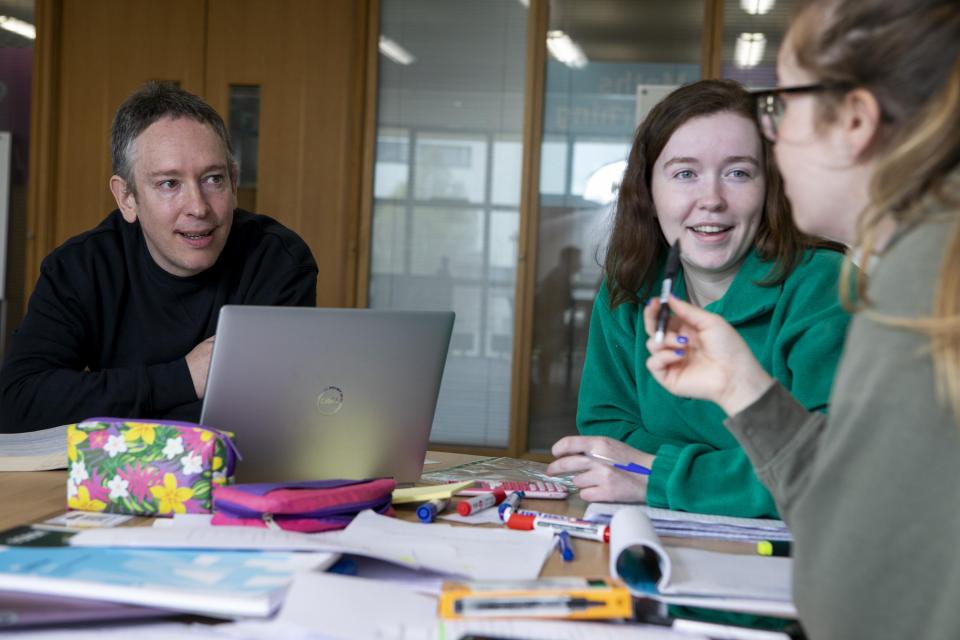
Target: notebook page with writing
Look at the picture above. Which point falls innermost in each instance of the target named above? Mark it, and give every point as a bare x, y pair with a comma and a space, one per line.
695, 577
683, 524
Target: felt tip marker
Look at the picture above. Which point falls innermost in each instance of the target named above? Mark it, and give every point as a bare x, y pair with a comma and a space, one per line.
478, 503
669, 276
507, 507
632, 467
550, 523
779, 548
428, 511
565, 546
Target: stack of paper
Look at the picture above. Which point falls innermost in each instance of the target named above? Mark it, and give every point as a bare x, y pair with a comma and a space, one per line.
34, 450
694, 577
480, 554
682, 524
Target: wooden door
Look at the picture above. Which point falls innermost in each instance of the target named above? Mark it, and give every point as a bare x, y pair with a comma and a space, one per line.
308, 60
307, 56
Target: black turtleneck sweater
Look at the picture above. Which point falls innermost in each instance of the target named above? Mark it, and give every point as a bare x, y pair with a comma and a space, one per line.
107, 330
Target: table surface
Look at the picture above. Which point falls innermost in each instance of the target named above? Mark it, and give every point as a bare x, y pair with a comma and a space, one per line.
30, 497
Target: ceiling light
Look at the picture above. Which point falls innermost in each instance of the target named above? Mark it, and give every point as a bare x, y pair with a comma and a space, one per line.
18, 27
756, 7
749, 49
603, 184
395, 52
565, 50
525, 3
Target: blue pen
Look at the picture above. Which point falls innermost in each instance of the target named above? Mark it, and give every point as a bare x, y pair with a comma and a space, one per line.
632, 467
566, 547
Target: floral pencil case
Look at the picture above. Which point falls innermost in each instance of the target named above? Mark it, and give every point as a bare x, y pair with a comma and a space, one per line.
146, 467
309, 507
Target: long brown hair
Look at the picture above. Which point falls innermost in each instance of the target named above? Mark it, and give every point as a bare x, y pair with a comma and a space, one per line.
907, 54
636, 241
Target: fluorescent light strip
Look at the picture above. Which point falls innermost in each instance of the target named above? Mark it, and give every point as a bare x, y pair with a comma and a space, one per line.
18, 27
395, 52
565, 50
756, 7
749, 49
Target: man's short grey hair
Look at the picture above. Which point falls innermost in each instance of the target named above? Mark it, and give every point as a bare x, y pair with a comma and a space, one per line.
156, 100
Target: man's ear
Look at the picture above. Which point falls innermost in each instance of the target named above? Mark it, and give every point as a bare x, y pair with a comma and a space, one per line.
126, 199
860, 118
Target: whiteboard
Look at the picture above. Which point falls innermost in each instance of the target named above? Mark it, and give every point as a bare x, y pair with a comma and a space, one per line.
5, 141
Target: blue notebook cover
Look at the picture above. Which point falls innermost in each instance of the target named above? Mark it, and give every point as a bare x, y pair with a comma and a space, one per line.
214, 583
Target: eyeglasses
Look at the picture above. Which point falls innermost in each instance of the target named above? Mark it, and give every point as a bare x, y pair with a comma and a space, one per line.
771, 105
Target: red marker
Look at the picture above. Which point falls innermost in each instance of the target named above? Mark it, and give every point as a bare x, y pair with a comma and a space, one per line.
529, 520
478, 503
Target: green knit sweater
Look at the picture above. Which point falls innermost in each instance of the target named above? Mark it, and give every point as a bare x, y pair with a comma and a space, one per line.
795, 329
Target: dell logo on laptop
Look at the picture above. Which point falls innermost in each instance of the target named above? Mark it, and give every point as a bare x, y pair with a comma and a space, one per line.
329, 401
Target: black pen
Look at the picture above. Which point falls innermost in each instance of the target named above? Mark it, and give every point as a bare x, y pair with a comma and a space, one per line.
669, 275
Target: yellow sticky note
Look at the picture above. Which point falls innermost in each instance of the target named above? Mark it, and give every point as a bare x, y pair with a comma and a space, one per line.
429, 492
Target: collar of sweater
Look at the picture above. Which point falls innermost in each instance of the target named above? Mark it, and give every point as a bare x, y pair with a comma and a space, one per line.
744, 300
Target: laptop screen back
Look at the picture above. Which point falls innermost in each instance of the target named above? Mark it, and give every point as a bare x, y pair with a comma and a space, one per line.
326, 393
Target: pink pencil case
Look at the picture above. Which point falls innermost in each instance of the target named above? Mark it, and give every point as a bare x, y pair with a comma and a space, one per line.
309, 507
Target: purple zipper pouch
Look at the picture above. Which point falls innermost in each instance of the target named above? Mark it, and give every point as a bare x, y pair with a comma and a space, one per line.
309, 507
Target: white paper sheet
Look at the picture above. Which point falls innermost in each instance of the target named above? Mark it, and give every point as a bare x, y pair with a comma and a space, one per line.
348, 607
487, 516
477, 553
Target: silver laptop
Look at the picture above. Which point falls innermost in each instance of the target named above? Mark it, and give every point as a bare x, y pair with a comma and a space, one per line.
326, 393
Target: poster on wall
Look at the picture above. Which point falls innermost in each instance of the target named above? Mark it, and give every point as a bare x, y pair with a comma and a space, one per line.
649, 95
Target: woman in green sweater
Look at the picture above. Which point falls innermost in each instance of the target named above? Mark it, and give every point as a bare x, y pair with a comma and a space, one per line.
700, 172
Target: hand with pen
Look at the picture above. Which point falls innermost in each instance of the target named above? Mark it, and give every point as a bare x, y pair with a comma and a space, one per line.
607, 470
702, 356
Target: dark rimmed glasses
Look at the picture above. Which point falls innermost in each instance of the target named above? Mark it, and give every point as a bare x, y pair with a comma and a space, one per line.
771, 105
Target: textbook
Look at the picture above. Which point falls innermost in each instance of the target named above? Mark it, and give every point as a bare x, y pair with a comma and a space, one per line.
226, 584
695, 577
34, 450
19, 610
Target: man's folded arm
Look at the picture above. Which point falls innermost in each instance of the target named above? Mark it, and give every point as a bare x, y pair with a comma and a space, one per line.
39, 392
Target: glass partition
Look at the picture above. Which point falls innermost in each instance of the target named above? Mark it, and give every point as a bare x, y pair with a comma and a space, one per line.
447, 190
602, 77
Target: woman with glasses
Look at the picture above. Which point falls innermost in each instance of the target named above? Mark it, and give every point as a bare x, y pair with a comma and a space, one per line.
700, 174
867, 133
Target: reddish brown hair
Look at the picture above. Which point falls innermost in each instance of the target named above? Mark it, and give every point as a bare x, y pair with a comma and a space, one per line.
636, 241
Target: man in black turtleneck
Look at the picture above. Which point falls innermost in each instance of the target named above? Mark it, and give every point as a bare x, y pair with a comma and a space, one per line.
122, 318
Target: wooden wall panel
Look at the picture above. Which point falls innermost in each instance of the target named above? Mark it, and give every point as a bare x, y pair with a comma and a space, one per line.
107, 49
309, 60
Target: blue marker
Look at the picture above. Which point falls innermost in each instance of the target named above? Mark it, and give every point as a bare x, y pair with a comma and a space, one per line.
429, 510
509, 505
632, 467
566, 547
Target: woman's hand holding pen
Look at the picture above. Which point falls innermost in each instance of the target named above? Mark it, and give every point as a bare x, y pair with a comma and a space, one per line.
600, 482
702, 356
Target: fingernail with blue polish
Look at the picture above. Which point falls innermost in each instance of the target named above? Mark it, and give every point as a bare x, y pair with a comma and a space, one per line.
683, 339
679, 352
